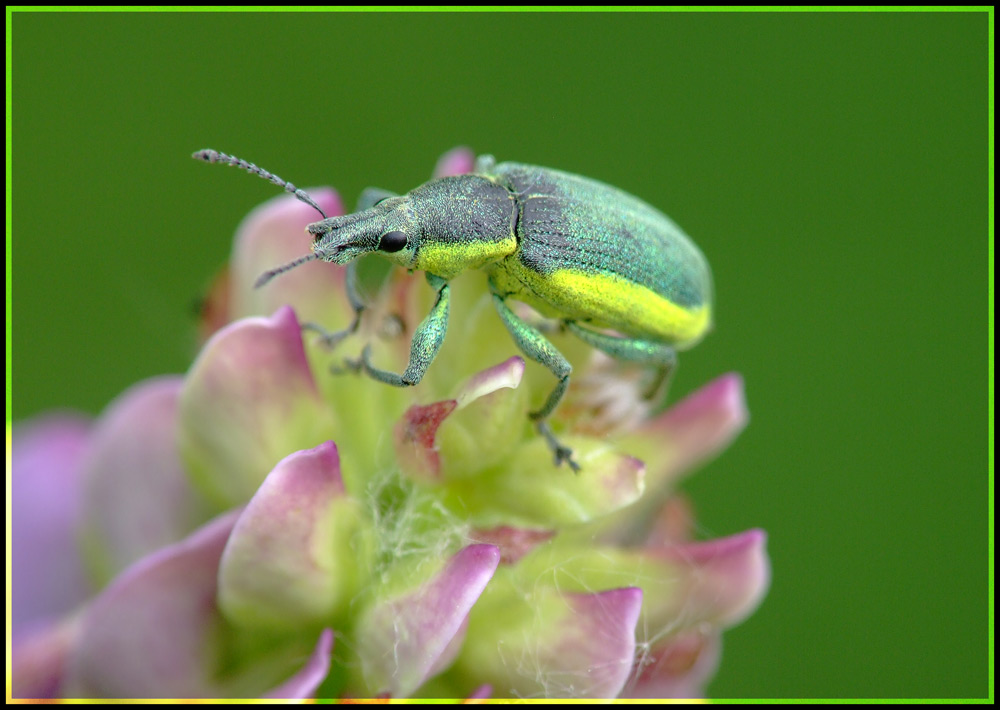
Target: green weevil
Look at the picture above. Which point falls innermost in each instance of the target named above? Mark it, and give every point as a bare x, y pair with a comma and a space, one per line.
575, 249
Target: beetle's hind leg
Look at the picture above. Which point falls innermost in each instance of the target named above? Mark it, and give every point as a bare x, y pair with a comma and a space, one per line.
651, 353
533, 344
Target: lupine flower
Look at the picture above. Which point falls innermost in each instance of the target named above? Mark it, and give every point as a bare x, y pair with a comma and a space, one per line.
275, 524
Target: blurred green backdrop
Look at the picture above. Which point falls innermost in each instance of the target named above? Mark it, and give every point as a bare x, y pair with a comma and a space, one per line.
833, 168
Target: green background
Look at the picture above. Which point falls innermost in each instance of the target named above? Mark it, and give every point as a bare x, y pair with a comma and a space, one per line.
833, 168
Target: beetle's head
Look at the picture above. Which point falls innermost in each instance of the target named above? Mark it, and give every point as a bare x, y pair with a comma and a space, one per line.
389, 228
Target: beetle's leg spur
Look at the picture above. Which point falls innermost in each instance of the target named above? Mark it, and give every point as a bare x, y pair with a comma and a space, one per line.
425, 344
660, 356
533, 344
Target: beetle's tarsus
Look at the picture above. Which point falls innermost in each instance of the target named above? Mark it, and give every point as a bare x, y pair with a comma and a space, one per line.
561, 452
408, 379
331, 339
566, 454
351, 365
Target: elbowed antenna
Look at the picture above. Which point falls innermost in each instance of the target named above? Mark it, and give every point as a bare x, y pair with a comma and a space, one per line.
214, 156
268, 275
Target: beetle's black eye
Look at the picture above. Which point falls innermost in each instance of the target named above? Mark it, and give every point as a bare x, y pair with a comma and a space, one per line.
392, 242
317, 236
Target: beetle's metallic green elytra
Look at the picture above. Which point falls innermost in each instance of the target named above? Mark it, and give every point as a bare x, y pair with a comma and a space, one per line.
573, 248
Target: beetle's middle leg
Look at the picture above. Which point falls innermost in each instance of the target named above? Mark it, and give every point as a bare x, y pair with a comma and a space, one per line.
535, 345
651, 353
425, 344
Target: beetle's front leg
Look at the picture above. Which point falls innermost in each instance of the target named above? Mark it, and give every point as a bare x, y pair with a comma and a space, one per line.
369, 197
332, 339
425, 344
535, 345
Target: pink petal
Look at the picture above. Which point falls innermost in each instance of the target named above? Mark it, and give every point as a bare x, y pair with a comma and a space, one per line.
721, 581
137, 497
403, 639
688, 434
540, 642
677, 668
696, 429
415, 435
607, 398
513, 543
506, 375
674, 522
447, 657
272, 235
248, 400
38, 660
47, 575
305, 683
489, 416
623, 483
456, 161
150, 634
483, 692
289, 561
600, 637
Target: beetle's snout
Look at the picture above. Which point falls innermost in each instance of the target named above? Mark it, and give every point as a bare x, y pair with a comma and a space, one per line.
338, 251
317, 231
325, 244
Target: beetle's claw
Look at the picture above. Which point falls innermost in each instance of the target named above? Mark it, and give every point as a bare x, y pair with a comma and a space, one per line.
561, 453
329, 339
564, 453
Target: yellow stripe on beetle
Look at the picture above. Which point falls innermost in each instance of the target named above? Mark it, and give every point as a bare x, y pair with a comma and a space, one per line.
449, 260
608, 301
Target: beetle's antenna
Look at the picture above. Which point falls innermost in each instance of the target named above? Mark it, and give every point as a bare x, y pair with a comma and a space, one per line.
268, 275
214, 156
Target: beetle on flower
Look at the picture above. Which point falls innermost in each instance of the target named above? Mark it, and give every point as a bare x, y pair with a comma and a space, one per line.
573, 248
